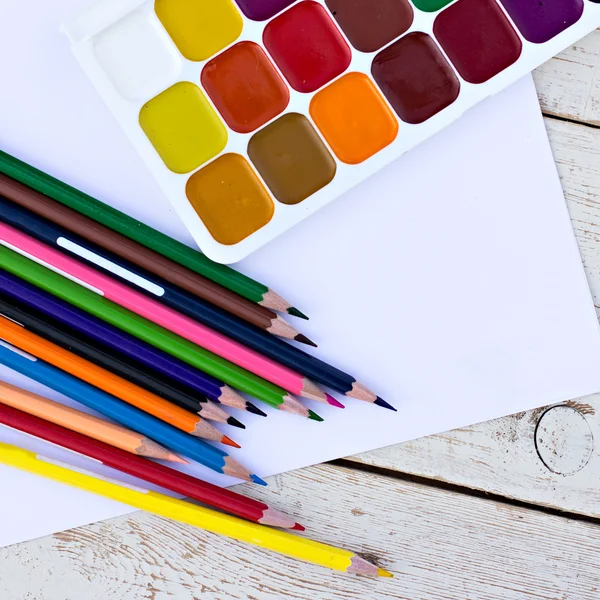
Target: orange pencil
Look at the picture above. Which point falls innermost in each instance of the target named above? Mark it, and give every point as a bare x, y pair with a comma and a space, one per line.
75, 420
160, 408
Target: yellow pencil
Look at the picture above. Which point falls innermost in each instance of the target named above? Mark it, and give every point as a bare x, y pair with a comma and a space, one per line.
179, 510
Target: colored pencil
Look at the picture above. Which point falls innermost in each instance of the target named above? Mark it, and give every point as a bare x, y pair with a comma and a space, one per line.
206, 313
104, 333
173, 371
133, 240
164, 316
62, 239
123, 413
70, 418
228, 325
275, 349
290, 356
147, 331
19, 336
149, 471
267, 538
74, 342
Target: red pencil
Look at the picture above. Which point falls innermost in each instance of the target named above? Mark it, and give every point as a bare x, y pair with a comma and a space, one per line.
145, 469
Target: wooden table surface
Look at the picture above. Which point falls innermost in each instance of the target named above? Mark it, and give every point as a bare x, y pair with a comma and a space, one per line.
505, 510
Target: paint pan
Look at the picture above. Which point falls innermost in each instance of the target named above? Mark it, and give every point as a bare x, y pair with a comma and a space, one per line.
254, 114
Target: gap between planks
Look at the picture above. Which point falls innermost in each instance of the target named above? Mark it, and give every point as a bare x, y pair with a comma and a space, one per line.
569, 84
461, 489
550, 116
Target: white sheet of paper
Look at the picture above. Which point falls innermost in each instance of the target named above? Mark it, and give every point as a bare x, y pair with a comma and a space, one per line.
451, 283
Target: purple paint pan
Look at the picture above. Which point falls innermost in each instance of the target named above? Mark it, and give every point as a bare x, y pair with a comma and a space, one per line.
541, 20
261, 10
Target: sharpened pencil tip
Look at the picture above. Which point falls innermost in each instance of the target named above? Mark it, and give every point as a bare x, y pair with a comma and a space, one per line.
229, 442
255, 410
313, 416
298, 527
331, 400
178, 459
296, 313
384, 573
233, 421
258, 480
304, 340
381, 402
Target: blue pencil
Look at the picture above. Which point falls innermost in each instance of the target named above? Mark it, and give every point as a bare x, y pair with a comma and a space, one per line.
123, 413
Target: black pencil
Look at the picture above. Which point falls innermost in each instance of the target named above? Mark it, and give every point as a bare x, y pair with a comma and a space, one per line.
173, 370
108, 359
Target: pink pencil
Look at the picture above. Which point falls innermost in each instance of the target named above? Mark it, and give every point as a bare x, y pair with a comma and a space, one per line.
166, 317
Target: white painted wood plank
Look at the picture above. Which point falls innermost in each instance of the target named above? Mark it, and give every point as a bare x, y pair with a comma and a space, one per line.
564, 440
569, 84
501, 457
441, 546
577, 154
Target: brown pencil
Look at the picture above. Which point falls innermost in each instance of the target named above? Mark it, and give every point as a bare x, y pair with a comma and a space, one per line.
75, 420
155, 263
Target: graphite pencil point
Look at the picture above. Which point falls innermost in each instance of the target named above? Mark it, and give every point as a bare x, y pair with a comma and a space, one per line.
304, 340
296, 313
381, 402
313, 416
255, 410
233, 421
229, 442
258, 480
331, 400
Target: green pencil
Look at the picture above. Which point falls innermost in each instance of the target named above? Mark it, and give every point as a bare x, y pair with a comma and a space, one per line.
151, 333
143, 234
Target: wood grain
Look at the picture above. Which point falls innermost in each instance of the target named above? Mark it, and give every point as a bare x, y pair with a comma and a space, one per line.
441, 545
569, 84
577, 154
564, 440
501, 457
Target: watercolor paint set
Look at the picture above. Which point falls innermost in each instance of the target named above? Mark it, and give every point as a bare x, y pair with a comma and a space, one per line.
254, 114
